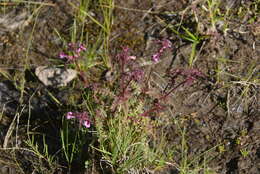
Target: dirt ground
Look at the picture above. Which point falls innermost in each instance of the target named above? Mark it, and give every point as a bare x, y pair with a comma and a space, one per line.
220, 113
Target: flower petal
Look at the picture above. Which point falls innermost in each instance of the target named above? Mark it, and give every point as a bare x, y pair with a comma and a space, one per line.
86, 123
70, 115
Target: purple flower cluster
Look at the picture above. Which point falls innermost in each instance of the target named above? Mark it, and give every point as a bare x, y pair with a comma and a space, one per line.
124, 58
165, 43
137, 75
75, 50
127, 75
82, 117
188, 76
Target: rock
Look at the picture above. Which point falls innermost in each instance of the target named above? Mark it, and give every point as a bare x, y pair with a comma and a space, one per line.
55, 77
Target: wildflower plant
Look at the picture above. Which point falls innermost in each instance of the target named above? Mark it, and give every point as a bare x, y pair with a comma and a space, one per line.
82, 118
73, 137
123, 126
165, 44
121, 116
123, 119
188, 76
128, 75
75, 52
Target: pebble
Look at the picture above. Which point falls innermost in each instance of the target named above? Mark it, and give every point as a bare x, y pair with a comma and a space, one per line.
55, 77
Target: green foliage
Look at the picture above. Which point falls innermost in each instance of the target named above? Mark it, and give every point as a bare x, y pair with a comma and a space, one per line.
73, 139
189, 36
105, 25
122, 145
46, 162
125, 136
213, 7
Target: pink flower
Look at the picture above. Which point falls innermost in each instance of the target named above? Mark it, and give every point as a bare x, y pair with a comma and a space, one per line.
82, 117
124, 59
165, 44
82, 47
70, 115
62, 55
124, 55
86, 124
131, 57
71, 44
74, 52
156, 57
137, 75
70, 58
125, 49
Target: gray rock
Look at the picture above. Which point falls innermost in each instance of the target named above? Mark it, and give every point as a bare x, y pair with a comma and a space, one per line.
55, 77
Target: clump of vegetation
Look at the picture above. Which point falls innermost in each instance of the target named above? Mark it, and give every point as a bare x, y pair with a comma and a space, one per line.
125, 129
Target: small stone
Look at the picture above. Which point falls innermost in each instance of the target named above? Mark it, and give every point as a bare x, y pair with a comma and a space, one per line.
56, 77
110, 76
